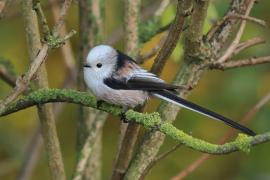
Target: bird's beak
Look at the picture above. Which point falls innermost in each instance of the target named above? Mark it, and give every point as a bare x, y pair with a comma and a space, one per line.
86, 65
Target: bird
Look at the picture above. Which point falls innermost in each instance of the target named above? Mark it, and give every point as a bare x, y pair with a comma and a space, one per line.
116, 78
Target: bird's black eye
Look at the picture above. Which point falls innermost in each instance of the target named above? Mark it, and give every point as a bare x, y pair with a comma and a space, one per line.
99, 65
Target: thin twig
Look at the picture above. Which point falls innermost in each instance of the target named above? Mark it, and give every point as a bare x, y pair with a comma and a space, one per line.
91, 33
220, 35
249, 43
238, 36
66, 50
191, 167
31, 156
33, 150
87, 148
7, 77
151, 53
163, 5
241, 63
2, 6
152, 141
146, 12
131, 25
244, 120
128, 133
159, 158
172, 38
233, 16
242, 46
248, 18
22, 83
43, 21
63, 13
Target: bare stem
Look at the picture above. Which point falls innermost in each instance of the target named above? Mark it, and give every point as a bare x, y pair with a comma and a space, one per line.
238, 36
159, 158
91, 33
46, 117
39, 58
172, 37
62, 16
249, 43
241, 63
66, 50
87, 149
33, 150
248, 18
221, 31
6, 76
189, 74
128, 133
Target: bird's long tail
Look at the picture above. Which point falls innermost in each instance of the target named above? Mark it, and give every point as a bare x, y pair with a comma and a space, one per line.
171, 97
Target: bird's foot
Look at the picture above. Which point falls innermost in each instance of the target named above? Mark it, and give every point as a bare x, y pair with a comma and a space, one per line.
99, 103
123, 117
156, 127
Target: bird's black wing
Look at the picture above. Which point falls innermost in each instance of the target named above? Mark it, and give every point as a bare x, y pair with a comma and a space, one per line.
139, 84
129, 76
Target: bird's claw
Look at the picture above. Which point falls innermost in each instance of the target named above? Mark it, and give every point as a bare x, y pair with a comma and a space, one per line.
156, 127
123, 117
99, 103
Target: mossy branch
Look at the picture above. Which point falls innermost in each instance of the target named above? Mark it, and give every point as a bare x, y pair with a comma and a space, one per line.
150, 121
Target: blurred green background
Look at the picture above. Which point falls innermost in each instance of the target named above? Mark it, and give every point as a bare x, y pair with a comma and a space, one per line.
231, 93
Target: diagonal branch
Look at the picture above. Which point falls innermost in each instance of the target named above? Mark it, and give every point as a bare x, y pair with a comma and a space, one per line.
172, 37
128, 133
233, 16
246, 44
221, 34
6, 76
62, 16
238, 36
37, 61
188, 75
241, 63
245, 119
150, 121
248, 18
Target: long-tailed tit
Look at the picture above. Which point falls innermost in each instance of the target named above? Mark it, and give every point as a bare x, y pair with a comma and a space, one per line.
116, 78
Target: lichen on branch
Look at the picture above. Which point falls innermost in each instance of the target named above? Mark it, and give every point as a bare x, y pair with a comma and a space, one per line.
150, 121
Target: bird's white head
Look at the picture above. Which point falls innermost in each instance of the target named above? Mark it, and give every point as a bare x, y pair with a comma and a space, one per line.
100, 62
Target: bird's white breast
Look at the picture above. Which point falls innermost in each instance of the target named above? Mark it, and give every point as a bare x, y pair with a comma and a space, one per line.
127, 98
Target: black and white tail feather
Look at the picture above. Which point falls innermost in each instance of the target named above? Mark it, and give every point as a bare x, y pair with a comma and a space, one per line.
171, 97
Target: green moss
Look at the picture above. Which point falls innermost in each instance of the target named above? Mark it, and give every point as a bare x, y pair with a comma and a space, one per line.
54, 41
114, 110
149, 121
7, 64
186, 139
243, 142
148, 29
